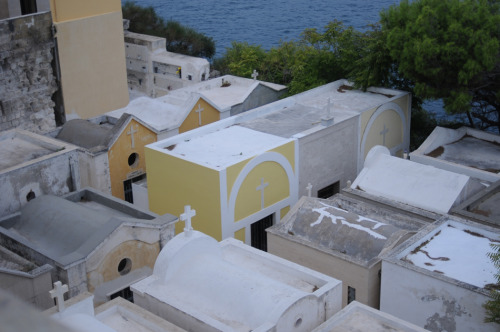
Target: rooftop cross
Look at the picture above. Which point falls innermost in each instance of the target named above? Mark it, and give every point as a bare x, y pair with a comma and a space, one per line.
384, 132
262, 186
58, 294
309, 189
131, 132
255, 74
186, 217
199, 110
329, 108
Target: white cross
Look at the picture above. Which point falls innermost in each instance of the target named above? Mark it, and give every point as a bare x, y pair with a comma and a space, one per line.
261, 188
58, 294
131, 132
329, 108
309, 188
186, 217
199, 110
255, 74
384, 132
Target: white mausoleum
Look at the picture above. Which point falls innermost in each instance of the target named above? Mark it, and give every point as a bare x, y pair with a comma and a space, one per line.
200, 284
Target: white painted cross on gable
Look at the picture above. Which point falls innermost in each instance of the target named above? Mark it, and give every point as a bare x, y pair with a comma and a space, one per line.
199, 110
58, 294
186, 217
255, 74
261, 187
383, 133
131, 132
309, 189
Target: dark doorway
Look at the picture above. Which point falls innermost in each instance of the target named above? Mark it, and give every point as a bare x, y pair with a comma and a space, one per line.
258, 232
126, 293
127, 187
329, 190
28, 7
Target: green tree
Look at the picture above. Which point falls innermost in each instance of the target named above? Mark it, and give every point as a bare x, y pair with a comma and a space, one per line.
493, 306
180, 39
449, 49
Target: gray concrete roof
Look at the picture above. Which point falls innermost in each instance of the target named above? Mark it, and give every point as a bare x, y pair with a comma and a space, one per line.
483, 207
45, 224
19, 146
11, 261
464, 150
344, 226
68, 229
84, 133
357, 317
472, 152
305, 111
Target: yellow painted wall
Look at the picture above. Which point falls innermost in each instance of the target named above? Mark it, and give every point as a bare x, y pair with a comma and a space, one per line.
249, 198
287, 150
174, 183
141, 254
118, 154
392, 121
64, 10
92, 63
208, 115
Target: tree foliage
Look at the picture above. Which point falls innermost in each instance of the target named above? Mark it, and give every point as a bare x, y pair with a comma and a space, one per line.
450, 49
180, 39
493, 306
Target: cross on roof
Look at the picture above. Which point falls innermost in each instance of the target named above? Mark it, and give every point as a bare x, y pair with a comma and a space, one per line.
384, 132
199, 110
58, 294
186, 217
309, 189
131, 132
255, 74
261, 187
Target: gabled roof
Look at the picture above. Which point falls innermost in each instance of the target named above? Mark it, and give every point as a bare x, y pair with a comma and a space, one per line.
404, 181
69, 229
92, 135
164, 113
353, 230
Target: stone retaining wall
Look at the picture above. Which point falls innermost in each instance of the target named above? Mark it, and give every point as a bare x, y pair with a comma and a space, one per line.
27, 81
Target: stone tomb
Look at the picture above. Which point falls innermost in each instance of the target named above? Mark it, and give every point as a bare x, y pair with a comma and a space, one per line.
343, 238
95, 242
202, 285
32, 165
440, 278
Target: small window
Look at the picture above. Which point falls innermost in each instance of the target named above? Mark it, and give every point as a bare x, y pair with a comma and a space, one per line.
31, 195
124, 266
351, 294
133, 160
329, 191
190, 77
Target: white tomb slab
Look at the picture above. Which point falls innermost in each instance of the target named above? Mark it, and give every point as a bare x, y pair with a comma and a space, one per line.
404, 181
203, 285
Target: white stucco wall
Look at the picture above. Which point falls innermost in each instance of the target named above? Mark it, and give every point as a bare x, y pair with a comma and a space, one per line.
432, 303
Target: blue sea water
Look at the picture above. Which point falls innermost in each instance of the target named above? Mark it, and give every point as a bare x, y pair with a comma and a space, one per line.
267, 22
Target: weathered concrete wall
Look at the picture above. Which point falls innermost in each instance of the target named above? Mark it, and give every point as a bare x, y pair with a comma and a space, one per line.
55, 175
431, 303
26, 280
364, 279
27, 80
328, 156
260, 96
